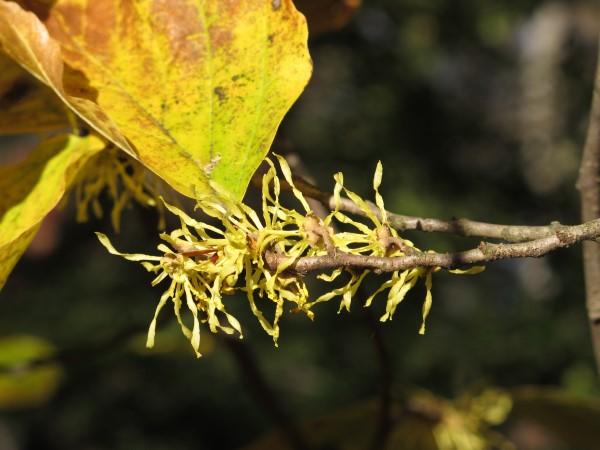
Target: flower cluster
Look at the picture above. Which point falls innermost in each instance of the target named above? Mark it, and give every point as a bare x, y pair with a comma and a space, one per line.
123, 180
465, 424
204, 263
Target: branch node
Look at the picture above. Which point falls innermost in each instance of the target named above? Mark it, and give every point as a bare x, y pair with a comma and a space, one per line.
489, 250
563, 233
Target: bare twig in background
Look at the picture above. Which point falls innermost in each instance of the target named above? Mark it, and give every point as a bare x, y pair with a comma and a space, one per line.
563, 236
264, 395
384, 421
589, 188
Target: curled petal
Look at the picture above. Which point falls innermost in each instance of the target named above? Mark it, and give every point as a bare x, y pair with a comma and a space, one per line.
128, 256
287, 174
152, 327
378, 198
427, 303
470, 271
195, 339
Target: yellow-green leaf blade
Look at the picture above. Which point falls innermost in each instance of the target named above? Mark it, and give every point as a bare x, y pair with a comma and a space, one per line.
33, 187
221, 76
195, 89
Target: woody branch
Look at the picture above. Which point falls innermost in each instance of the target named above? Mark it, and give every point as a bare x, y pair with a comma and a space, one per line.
561, 236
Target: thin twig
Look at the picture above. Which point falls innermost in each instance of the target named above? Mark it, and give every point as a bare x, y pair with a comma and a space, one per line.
588, 185
384, 422
563, 236
459, 227
263, 394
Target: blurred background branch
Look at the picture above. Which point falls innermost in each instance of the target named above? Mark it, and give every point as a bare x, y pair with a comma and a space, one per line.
589, 188
263, 394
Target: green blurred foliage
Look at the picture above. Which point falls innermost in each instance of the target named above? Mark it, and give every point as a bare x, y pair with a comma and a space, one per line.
30, 386
439, 92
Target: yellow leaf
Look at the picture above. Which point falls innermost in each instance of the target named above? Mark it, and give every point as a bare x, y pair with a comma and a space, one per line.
26, 105
194, 89
26, 40
33, 187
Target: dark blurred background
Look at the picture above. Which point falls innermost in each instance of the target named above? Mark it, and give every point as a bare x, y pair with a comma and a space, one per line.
477, 109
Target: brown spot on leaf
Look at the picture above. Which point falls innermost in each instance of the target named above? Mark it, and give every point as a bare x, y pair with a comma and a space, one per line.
178, 21
276, 4
220, 36
69, 17
220, 92
99, 29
